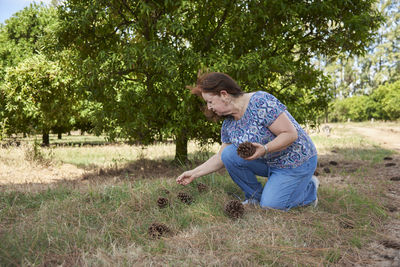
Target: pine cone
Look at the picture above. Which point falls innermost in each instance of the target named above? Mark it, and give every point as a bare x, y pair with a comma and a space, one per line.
185, 198
162, 202
202, 187
156, 230
234, 209
246, 150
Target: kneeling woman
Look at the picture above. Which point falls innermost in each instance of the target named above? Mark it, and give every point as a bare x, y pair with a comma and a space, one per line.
284, 152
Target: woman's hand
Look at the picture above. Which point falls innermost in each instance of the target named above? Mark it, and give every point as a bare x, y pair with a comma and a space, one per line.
260, 152
186, 178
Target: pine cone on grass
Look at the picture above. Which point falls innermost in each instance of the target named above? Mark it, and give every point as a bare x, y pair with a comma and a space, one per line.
162, 202
246, 150
156, 230
327, 170
202, 187
234, 209
185, 198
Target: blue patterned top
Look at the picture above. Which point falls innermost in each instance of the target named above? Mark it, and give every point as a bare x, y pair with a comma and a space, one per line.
261, 112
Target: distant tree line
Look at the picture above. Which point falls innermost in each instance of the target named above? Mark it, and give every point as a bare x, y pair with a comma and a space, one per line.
367, 86
121, 67
382, 104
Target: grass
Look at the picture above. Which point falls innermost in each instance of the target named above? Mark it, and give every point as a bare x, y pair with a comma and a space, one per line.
103, 221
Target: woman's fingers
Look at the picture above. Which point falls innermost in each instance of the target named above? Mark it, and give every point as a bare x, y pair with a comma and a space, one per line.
260, 151
184, 179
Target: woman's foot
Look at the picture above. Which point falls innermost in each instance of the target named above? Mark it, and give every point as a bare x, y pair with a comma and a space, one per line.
251, 201
316, 182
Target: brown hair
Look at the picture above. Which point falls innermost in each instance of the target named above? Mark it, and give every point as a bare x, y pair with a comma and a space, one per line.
214, 83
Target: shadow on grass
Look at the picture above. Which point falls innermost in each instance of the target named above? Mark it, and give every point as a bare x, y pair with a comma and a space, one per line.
340, 160
143, 169
333, 165
139, 169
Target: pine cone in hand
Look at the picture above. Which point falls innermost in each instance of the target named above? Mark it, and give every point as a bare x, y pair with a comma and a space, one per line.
202, 187
234, 209
246, 150
156, 230
162, 202
185, 198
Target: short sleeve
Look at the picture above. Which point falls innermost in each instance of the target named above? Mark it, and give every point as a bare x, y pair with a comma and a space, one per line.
268, 108
224, 133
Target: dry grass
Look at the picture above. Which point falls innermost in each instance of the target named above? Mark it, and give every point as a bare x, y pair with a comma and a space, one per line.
76, 163
17, 167
101, 216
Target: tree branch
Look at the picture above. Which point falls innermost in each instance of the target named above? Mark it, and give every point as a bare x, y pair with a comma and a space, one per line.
215, 31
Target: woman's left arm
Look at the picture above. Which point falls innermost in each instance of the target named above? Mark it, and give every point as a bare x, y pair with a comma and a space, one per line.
285, 133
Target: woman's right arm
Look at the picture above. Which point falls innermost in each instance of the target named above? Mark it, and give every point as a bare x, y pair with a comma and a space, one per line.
211, 165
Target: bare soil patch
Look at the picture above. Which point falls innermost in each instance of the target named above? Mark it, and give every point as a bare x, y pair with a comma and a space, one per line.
36, 173
385, 251
387, 137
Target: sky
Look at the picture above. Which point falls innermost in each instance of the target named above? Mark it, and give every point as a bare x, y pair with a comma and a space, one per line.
10, 7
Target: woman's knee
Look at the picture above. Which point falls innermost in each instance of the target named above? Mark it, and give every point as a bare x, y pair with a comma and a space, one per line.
228, 154
273, 204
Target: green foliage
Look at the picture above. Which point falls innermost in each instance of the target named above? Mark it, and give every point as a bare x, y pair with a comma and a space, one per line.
387, 97
26, 33
361, 74
356, 108
382, 104
39, 95
135, 58
27, 74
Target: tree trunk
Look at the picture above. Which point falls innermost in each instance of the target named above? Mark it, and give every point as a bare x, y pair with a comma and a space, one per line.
326, 114
181, 152
46, 139
59, 136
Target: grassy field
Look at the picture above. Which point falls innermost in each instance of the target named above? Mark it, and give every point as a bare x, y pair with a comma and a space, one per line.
99, 210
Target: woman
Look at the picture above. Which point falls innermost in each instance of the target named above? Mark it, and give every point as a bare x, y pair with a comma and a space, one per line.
284, 152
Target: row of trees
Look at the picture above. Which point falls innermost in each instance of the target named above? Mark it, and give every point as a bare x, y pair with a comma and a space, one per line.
381, 104
121, 67
360, 75
367, 87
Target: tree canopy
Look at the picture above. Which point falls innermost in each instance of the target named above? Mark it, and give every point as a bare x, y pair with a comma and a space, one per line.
136, 57
39, 96
123, 66
36, 93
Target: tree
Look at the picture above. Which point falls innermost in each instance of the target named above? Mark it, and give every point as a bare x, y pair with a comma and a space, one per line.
39, 96
137, 56
387, 99
26, 34
355, 108
356, 75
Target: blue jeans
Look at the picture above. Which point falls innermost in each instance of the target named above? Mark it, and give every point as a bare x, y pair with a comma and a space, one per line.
285, 188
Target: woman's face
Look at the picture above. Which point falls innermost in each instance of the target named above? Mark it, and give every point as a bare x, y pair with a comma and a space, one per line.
217, 103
